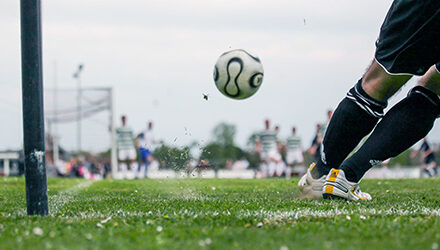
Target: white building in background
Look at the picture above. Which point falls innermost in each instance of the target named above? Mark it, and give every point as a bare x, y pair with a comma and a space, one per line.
9, 163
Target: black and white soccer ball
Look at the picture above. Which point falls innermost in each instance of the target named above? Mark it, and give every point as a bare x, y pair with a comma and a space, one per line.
238, 74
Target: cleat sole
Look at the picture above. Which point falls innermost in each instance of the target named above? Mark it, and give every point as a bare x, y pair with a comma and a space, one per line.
331, 197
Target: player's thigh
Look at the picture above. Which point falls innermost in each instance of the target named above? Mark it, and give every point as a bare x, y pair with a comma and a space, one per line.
408, 39
264, 157
299, 156
122, 155
290, 158
407, 45
132, 154
274, 155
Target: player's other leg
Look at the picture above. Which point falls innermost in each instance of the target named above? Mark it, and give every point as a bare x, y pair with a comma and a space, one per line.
133, 164
122, 164
271, 168
148, 162
406, 123
309, 186
430, 164
354, 118
357, 115
272, 163
280, 166
146, 159
264, 160
424, 171
407, 45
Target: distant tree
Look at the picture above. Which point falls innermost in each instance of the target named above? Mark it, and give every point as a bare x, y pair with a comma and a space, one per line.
224, 134
217, 154
222, 148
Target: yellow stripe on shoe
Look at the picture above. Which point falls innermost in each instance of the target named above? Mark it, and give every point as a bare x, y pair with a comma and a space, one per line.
333, 175
312, 166
328, 189
361, 198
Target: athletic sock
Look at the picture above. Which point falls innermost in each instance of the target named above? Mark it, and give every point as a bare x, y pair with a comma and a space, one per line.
353, 119
406, 123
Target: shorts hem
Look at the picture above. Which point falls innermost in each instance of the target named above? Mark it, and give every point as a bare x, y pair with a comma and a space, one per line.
436, 68
390, 73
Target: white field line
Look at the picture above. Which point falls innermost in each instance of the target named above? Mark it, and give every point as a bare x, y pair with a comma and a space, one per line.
262, 214
58, 200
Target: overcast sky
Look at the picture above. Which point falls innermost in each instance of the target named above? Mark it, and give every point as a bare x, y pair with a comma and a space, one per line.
159, 56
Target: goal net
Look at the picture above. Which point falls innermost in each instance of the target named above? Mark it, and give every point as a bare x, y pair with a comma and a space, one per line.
79, 121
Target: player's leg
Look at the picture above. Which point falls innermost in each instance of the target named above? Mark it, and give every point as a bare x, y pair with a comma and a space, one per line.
431, 168
143, 162
133, 162
356, 116
290, 163
280, 167
408, 43
426, 167
431, 81
273, 163
264, 162
123, 157
431, 165
148, 162
434, 168
406, 123
272, 168
288, 171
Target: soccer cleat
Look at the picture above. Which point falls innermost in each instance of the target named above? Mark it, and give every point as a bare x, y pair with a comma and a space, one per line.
310, 187
337, 186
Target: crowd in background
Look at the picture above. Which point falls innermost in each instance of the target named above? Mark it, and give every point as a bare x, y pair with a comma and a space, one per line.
270, 155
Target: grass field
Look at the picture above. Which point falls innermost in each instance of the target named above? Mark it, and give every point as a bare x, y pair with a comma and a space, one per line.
219, 214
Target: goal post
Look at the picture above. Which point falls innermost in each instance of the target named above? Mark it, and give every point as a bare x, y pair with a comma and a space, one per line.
33, 111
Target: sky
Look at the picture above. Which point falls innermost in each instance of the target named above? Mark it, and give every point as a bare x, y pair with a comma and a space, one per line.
159, 57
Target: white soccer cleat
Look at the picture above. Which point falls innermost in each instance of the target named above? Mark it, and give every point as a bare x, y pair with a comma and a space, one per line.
337, 186
310, 187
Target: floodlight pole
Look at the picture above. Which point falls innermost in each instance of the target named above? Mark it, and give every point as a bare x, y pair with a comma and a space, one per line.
113, 156
76, 75
33, 111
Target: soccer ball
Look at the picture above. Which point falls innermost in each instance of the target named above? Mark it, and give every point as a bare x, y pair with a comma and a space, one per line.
238, 74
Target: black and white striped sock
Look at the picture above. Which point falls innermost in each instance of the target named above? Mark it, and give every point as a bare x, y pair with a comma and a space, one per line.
353, 119
403, 125
364, 101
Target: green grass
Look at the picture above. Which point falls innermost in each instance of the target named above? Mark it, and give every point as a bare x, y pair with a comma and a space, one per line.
219, 214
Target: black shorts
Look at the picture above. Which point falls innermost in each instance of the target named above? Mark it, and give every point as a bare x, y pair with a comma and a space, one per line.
409, 39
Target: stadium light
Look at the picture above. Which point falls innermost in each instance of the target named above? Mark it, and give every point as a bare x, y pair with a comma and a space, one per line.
76, 75
33, 110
